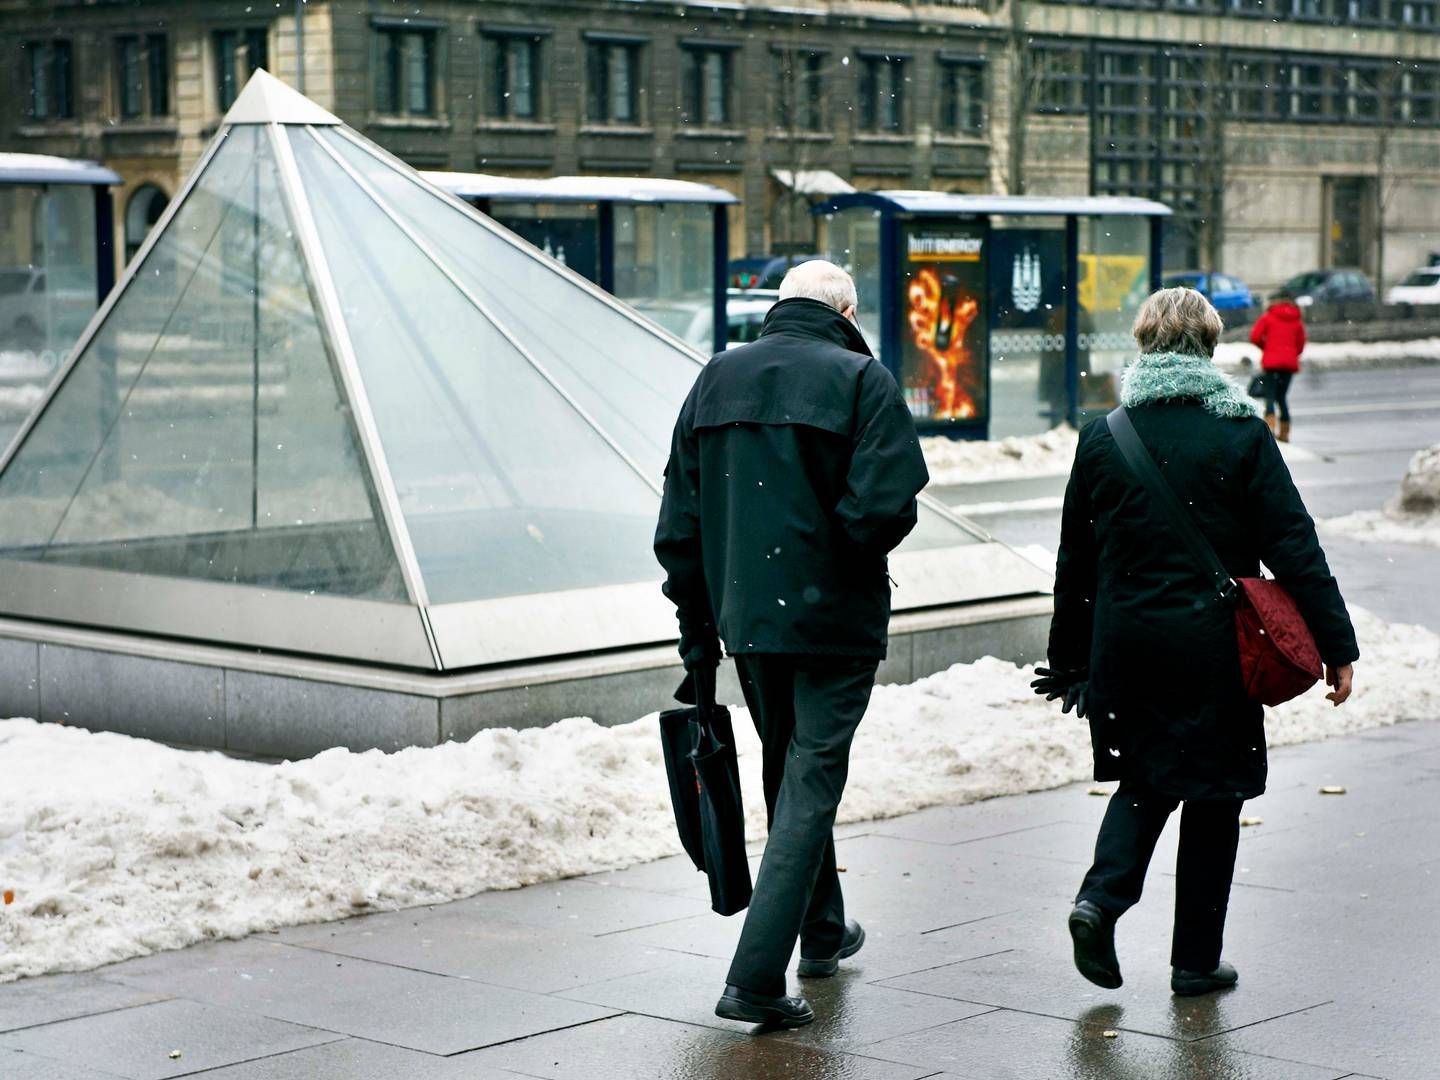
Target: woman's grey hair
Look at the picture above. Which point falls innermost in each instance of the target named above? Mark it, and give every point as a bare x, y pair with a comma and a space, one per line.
1177, 320
820, 280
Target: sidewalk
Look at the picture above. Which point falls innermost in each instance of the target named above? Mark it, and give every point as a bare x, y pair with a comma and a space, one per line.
966, 972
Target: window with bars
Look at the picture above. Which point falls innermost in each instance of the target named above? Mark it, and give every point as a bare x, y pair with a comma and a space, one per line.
613, 76
51, 80
1417, 98
706, 75
406, 71
514, 83
1310, 90
1416, 12
1361, 91
142, 76
238, 53
1255, 87
882, 93
962, 96
800, 90
1058, 78
1365, 11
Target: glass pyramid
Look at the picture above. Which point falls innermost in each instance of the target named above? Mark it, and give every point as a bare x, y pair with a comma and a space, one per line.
332, 410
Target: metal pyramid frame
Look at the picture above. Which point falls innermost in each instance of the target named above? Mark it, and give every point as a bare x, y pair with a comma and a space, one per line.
422, 625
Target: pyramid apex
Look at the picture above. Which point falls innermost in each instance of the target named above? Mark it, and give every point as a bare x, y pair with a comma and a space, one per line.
267, 100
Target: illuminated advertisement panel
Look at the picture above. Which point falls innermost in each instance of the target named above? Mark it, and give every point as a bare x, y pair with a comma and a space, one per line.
944, 352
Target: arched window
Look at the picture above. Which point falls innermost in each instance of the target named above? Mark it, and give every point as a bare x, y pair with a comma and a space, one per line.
143, 210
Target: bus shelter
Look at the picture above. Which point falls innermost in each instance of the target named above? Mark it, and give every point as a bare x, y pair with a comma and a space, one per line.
659, 245
999, 315
57, 263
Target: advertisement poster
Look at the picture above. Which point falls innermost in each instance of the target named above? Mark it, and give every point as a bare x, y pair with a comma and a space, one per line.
943, 327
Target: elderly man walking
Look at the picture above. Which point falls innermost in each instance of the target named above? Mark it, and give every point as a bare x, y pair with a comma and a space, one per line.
793, 473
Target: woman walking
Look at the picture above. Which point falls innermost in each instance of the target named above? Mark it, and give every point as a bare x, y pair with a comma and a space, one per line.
1142, 643
1280, 335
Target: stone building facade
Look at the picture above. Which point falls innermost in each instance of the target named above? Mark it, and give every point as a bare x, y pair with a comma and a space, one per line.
1286, 132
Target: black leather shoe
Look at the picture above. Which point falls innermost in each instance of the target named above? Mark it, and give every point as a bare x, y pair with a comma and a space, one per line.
1094, 937
1189, 983
822, 968
775, 1012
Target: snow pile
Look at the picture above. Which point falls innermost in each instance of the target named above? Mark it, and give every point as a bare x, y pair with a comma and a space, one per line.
116, 847
959, 461
1412, 517
1337, 355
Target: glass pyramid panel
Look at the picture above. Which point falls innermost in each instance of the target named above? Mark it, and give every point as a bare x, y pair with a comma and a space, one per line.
505, 488
627, 377
202, 433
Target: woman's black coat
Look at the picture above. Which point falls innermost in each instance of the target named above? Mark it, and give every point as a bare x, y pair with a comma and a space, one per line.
1166, 704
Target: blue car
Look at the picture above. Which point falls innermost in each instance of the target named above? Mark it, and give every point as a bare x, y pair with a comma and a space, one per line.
1222, 290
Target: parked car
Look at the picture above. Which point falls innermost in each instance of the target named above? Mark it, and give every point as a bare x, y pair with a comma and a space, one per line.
1330, 287
1421, 287
1225, 292
763, 271
745, 311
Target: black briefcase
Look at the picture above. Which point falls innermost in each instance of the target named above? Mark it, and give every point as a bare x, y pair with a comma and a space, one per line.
698, 744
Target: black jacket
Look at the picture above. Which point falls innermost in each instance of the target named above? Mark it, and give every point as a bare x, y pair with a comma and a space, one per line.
1166, 702
793, 472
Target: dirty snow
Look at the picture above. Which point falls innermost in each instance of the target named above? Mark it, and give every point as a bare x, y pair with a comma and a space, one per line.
962, 461
116, 847
1411, 517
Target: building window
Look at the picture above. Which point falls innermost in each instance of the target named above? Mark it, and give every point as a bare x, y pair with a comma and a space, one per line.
1417, 98
882, 93
1415, 12
141, 213
1254, 92
613, 68
962, 97
142, 71
1307, 97
1057, 79
514, 81
50, 80
706, 72
1365, 12
1362, 88
799, 90
405, 71
239, 53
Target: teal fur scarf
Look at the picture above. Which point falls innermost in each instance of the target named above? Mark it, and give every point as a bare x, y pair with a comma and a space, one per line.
1183, 377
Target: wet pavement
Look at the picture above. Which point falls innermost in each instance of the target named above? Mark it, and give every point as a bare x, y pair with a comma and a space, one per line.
965, 973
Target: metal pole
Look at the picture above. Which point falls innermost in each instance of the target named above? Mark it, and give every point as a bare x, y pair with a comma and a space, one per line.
104, 243
721, 285
1072, 319
255, 359
300, 45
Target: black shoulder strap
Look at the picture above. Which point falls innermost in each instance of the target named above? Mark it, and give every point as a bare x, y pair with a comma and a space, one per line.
1142, 465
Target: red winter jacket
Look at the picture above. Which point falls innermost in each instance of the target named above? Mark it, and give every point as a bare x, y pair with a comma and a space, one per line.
1280, 333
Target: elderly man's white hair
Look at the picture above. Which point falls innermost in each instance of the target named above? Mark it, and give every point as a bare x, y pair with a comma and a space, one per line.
820, 280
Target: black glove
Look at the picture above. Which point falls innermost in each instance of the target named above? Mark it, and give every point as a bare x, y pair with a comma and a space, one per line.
1072, 686
696, 655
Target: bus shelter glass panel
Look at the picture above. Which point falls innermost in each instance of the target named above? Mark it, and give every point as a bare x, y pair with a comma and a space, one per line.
202, 432
47, 288
665, 267
568, 232
940, 299
1028, 391
1114, 281
854, 243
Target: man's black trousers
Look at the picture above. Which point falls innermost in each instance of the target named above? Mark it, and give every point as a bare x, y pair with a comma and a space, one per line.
806, 709
1204, 866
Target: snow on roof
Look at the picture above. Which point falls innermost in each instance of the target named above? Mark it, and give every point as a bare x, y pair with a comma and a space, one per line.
45, 169
813, 181
947, 202
621, 189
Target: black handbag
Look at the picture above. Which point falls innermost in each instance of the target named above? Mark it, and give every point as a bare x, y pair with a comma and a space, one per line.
1256, 389
698, 744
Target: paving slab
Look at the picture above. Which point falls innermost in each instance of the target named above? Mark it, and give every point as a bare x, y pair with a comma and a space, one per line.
471, 946
137, 1043
62, 997
380, 1002
645, 1048
357, 1059
1398, 1040
849, 1012
1004, 1045
19, 1064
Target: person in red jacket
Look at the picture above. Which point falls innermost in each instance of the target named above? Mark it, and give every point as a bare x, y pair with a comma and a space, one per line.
1280, 334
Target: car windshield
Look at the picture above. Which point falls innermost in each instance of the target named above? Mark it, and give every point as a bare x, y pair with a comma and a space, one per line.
1305, 282
1422, 277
